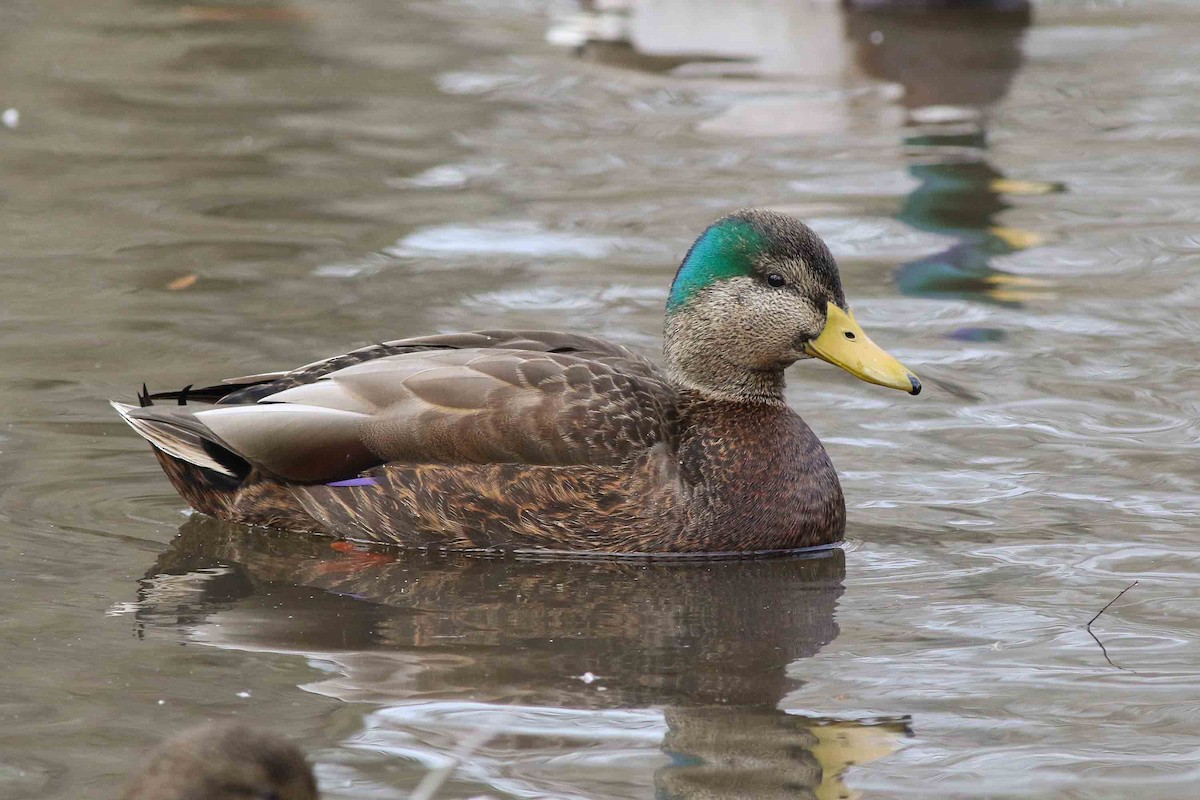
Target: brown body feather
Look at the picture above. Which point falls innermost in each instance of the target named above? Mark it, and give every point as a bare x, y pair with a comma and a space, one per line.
695, 493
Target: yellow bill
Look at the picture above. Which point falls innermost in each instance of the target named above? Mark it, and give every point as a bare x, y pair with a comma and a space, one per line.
843, 343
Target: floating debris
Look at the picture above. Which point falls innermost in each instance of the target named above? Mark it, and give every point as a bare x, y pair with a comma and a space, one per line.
183, 282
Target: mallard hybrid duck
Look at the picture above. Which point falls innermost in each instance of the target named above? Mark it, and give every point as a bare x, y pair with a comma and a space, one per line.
224, 761
534, 440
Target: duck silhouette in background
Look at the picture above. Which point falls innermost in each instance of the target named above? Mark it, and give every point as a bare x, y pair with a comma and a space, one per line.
224, 761
712, 647
954, 60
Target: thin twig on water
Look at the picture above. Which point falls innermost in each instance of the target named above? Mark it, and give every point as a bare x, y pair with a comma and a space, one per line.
1093, 619
434, 779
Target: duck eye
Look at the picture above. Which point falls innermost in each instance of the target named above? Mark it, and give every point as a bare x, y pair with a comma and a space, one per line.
776, 280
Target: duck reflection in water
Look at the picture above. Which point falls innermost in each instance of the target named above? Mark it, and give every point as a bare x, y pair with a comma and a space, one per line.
711, 645
954, 61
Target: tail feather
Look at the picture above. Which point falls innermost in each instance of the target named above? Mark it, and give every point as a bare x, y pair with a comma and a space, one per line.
210, 394
177, 433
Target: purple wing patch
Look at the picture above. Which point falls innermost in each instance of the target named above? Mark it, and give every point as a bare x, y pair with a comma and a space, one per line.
362, 481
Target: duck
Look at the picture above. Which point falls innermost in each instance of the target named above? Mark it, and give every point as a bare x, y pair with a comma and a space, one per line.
224, 761
550, 442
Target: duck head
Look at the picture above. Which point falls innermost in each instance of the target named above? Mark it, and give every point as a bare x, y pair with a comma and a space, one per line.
224, 761
757, 292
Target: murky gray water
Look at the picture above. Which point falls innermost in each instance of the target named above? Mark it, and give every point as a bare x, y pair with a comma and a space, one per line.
191, 191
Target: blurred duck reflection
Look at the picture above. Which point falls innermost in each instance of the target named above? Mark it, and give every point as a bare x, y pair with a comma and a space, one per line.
951, 60
711, 644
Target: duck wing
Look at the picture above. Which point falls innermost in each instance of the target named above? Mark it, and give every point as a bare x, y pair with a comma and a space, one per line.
527, 397
249, 388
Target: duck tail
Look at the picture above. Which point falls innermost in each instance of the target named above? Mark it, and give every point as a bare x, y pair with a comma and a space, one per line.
175, 431
209, 474
202, 469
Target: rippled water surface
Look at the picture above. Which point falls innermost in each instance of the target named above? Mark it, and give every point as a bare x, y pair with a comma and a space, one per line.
191, 191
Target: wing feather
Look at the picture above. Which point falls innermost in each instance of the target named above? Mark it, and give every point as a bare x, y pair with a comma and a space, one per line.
297, 442
323, 393
532, 397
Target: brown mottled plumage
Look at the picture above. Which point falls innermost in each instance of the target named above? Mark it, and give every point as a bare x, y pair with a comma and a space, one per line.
224, 761
543, 440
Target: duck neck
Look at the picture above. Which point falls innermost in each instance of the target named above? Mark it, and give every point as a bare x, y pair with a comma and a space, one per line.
758, 476
703, 366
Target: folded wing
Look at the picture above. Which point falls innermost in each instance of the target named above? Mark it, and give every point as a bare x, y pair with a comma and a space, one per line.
537, 398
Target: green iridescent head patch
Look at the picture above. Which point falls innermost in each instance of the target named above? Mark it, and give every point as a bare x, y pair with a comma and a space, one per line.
726, 250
